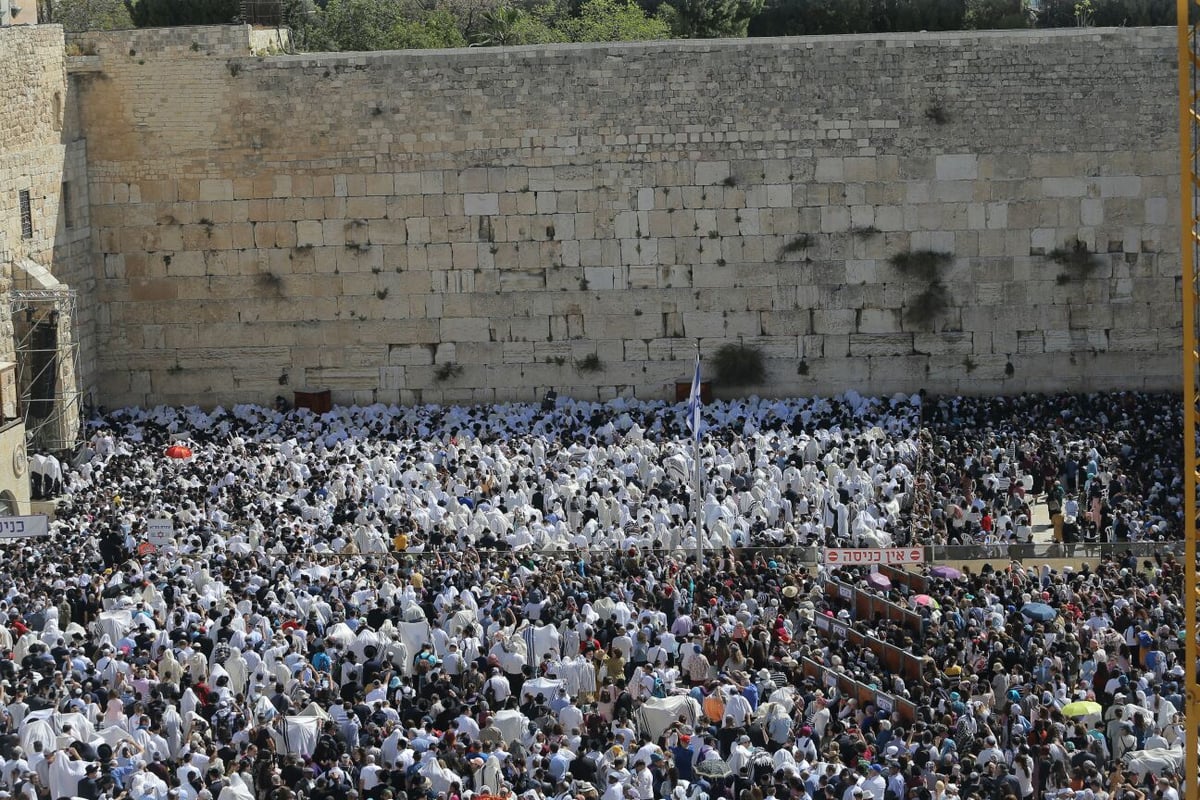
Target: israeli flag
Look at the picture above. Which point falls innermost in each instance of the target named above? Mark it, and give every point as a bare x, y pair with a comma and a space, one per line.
693, 406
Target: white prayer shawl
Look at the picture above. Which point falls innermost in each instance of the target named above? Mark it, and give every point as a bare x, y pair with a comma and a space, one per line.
547, 687
238, 671
367, 638
197, 667
296, 735
262, 711
114, 736
412, 636
173, 728
439, 777
147, 784
539, 640
21, 648
65, 775
511, 724
658, 713
236, 789
462, 620
169, 668
38, 730
341, 634
188, 703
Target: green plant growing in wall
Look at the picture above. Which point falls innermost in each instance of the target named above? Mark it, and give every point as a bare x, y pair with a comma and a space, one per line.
923, 265
1077, 260
739, 365
926, 267
794, 245
589, 363
446, 371
927, 306
269, 281
936, 113
864, 231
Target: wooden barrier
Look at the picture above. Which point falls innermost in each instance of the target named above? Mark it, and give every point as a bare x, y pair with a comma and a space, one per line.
869, 606
917, 583
895, 659
864, 694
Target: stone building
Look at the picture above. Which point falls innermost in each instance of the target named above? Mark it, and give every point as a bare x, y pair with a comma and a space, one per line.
45, 254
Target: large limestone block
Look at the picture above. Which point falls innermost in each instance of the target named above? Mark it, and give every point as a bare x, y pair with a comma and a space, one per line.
956, 167
865, 344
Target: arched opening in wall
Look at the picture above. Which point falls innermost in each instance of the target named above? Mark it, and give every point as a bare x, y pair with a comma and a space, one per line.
8, 504
56, 110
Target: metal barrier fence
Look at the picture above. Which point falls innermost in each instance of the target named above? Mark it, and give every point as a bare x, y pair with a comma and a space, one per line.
811, 555
1039, 551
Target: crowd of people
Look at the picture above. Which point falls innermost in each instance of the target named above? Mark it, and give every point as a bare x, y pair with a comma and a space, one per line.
506, 601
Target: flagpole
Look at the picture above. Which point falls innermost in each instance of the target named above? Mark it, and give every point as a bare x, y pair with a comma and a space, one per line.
699, 503
699, 487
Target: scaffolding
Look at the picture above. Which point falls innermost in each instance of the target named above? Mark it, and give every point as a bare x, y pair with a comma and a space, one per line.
47, 356
1189, 202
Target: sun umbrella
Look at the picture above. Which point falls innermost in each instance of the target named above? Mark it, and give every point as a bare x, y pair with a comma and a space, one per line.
179, 451
926, 600
945, 573
713, 768
1080, 708
1039, 612
879, 580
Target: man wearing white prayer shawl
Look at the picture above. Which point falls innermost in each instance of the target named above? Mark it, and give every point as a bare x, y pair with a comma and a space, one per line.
66, 770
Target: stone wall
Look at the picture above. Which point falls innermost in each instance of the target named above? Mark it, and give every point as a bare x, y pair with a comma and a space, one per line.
41, 155
471, 225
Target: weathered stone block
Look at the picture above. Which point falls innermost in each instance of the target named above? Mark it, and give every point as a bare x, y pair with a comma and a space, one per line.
956, 167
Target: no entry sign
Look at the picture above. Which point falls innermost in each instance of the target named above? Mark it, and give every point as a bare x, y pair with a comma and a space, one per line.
865, 556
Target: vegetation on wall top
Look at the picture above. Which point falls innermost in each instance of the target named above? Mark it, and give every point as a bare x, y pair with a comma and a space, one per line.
408, 24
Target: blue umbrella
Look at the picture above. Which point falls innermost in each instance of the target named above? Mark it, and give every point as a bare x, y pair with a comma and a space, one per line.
1039, 612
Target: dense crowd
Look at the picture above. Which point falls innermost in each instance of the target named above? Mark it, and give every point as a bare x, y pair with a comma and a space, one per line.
451, 602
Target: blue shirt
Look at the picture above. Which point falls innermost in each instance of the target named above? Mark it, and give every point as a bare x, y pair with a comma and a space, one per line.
751, 695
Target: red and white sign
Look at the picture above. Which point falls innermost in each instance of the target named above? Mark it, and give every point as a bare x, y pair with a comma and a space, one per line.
866, 556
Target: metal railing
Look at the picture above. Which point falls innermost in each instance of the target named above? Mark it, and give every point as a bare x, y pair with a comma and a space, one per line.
1039, 551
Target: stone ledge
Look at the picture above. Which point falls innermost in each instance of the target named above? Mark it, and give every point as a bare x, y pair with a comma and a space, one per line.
77, 65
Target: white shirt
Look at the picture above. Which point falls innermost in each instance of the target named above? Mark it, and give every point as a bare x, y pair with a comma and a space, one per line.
368, 776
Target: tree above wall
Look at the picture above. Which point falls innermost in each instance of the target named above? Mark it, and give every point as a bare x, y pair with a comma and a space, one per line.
87, 15
160, 13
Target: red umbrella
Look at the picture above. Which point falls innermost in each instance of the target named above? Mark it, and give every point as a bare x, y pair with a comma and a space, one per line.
179, 451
